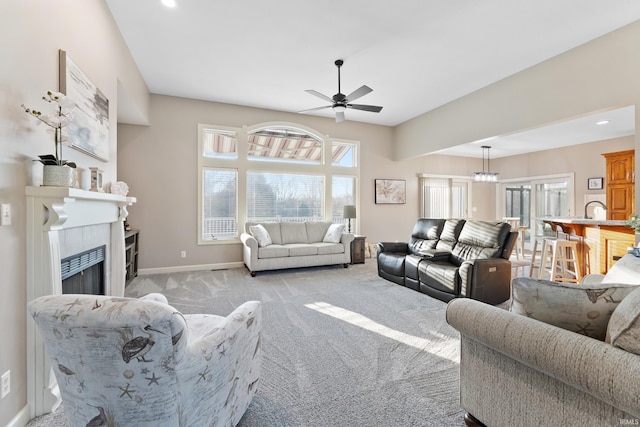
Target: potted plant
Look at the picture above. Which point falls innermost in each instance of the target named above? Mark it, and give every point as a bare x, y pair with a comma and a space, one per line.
57, 171
634, 222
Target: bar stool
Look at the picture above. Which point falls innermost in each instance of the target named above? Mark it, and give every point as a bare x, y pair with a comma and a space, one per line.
520, 242
536, 264
560, 259
514, 222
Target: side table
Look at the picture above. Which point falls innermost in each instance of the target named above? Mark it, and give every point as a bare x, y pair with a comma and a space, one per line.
357, 250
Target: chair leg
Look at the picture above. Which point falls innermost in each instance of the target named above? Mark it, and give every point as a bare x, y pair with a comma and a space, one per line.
472, 421
534, 264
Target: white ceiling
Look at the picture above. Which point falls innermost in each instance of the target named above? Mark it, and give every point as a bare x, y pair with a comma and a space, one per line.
416, 55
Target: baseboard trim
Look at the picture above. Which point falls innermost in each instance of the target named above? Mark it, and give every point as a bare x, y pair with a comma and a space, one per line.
183, 268
21, 419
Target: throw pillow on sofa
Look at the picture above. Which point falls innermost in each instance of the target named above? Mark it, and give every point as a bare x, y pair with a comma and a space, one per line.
624, 326
261, 235
334, 233
584, 309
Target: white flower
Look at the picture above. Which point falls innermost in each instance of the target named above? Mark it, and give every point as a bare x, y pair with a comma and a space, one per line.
55, 122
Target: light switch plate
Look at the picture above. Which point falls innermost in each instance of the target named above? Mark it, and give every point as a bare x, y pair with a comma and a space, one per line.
5, 214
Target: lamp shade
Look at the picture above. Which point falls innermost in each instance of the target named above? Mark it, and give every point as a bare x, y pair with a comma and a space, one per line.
349, 211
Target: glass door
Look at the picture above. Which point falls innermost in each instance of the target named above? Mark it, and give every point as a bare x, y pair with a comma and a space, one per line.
531, 199
551, 200
518, 205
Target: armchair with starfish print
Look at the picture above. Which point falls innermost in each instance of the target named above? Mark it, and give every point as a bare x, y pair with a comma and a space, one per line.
139, 361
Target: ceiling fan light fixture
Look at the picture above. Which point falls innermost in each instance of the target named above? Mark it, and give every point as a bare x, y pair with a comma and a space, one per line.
339, 103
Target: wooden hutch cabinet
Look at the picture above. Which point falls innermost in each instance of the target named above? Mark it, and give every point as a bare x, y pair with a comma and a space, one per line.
620, 184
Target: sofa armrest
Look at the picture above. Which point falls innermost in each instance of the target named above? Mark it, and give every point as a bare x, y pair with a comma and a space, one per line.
393, 247
607, 373
347, 238
248, 240
154, 296
486, 280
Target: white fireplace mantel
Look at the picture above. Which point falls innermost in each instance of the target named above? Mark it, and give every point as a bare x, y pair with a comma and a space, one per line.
50, 210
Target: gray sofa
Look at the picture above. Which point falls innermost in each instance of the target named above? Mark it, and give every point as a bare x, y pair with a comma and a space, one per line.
294, 244
564, 355
517, 371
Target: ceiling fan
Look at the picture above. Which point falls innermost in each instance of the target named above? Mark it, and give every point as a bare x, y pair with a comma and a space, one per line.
340, 102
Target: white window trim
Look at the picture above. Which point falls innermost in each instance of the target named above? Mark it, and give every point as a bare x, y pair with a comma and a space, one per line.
242, 165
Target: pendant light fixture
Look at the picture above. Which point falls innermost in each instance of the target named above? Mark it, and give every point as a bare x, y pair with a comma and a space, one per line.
487, 176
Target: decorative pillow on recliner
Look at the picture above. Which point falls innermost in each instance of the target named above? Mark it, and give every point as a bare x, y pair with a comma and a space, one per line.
261, 235
584, 309
334, 233
624, 326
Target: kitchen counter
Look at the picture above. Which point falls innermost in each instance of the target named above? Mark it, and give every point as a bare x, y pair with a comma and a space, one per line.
601, 242
583, 221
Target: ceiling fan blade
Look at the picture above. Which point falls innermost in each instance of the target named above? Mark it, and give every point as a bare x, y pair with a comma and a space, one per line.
319, 95
314, 109
362, 91
340, 116
372, 108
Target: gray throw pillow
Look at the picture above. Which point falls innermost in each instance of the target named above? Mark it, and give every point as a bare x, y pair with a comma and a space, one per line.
584, 309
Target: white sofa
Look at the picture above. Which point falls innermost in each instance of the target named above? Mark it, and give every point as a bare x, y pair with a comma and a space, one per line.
293, 245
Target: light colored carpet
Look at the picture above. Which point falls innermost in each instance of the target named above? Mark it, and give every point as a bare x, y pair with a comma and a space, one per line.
341, 346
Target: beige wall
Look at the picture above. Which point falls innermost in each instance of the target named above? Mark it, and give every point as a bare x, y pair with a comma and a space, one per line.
159, 162
31, 32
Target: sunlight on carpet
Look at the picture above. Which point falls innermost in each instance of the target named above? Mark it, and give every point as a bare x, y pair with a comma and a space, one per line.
370, 325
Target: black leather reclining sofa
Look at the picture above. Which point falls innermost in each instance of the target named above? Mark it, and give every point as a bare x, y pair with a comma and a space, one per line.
450, 258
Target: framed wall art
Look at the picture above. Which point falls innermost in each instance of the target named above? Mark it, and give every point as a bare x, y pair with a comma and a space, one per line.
390, 191
88, 127
595, 183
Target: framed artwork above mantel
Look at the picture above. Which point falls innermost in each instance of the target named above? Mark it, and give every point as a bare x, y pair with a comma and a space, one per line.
88, 127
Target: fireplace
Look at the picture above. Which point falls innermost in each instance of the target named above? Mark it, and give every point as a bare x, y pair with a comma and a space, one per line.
68, 231
83, 273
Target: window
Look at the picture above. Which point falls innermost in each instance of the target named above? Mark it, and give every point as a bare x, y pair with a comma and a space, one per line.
343, 190
284, 197
343, 154
444, 197
219, 143
274, 171
219, 204
285, 145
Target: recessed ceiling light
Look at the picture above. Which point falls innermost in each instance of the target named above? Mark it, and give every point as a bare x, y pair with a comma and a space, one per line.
603, 122
169, 3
